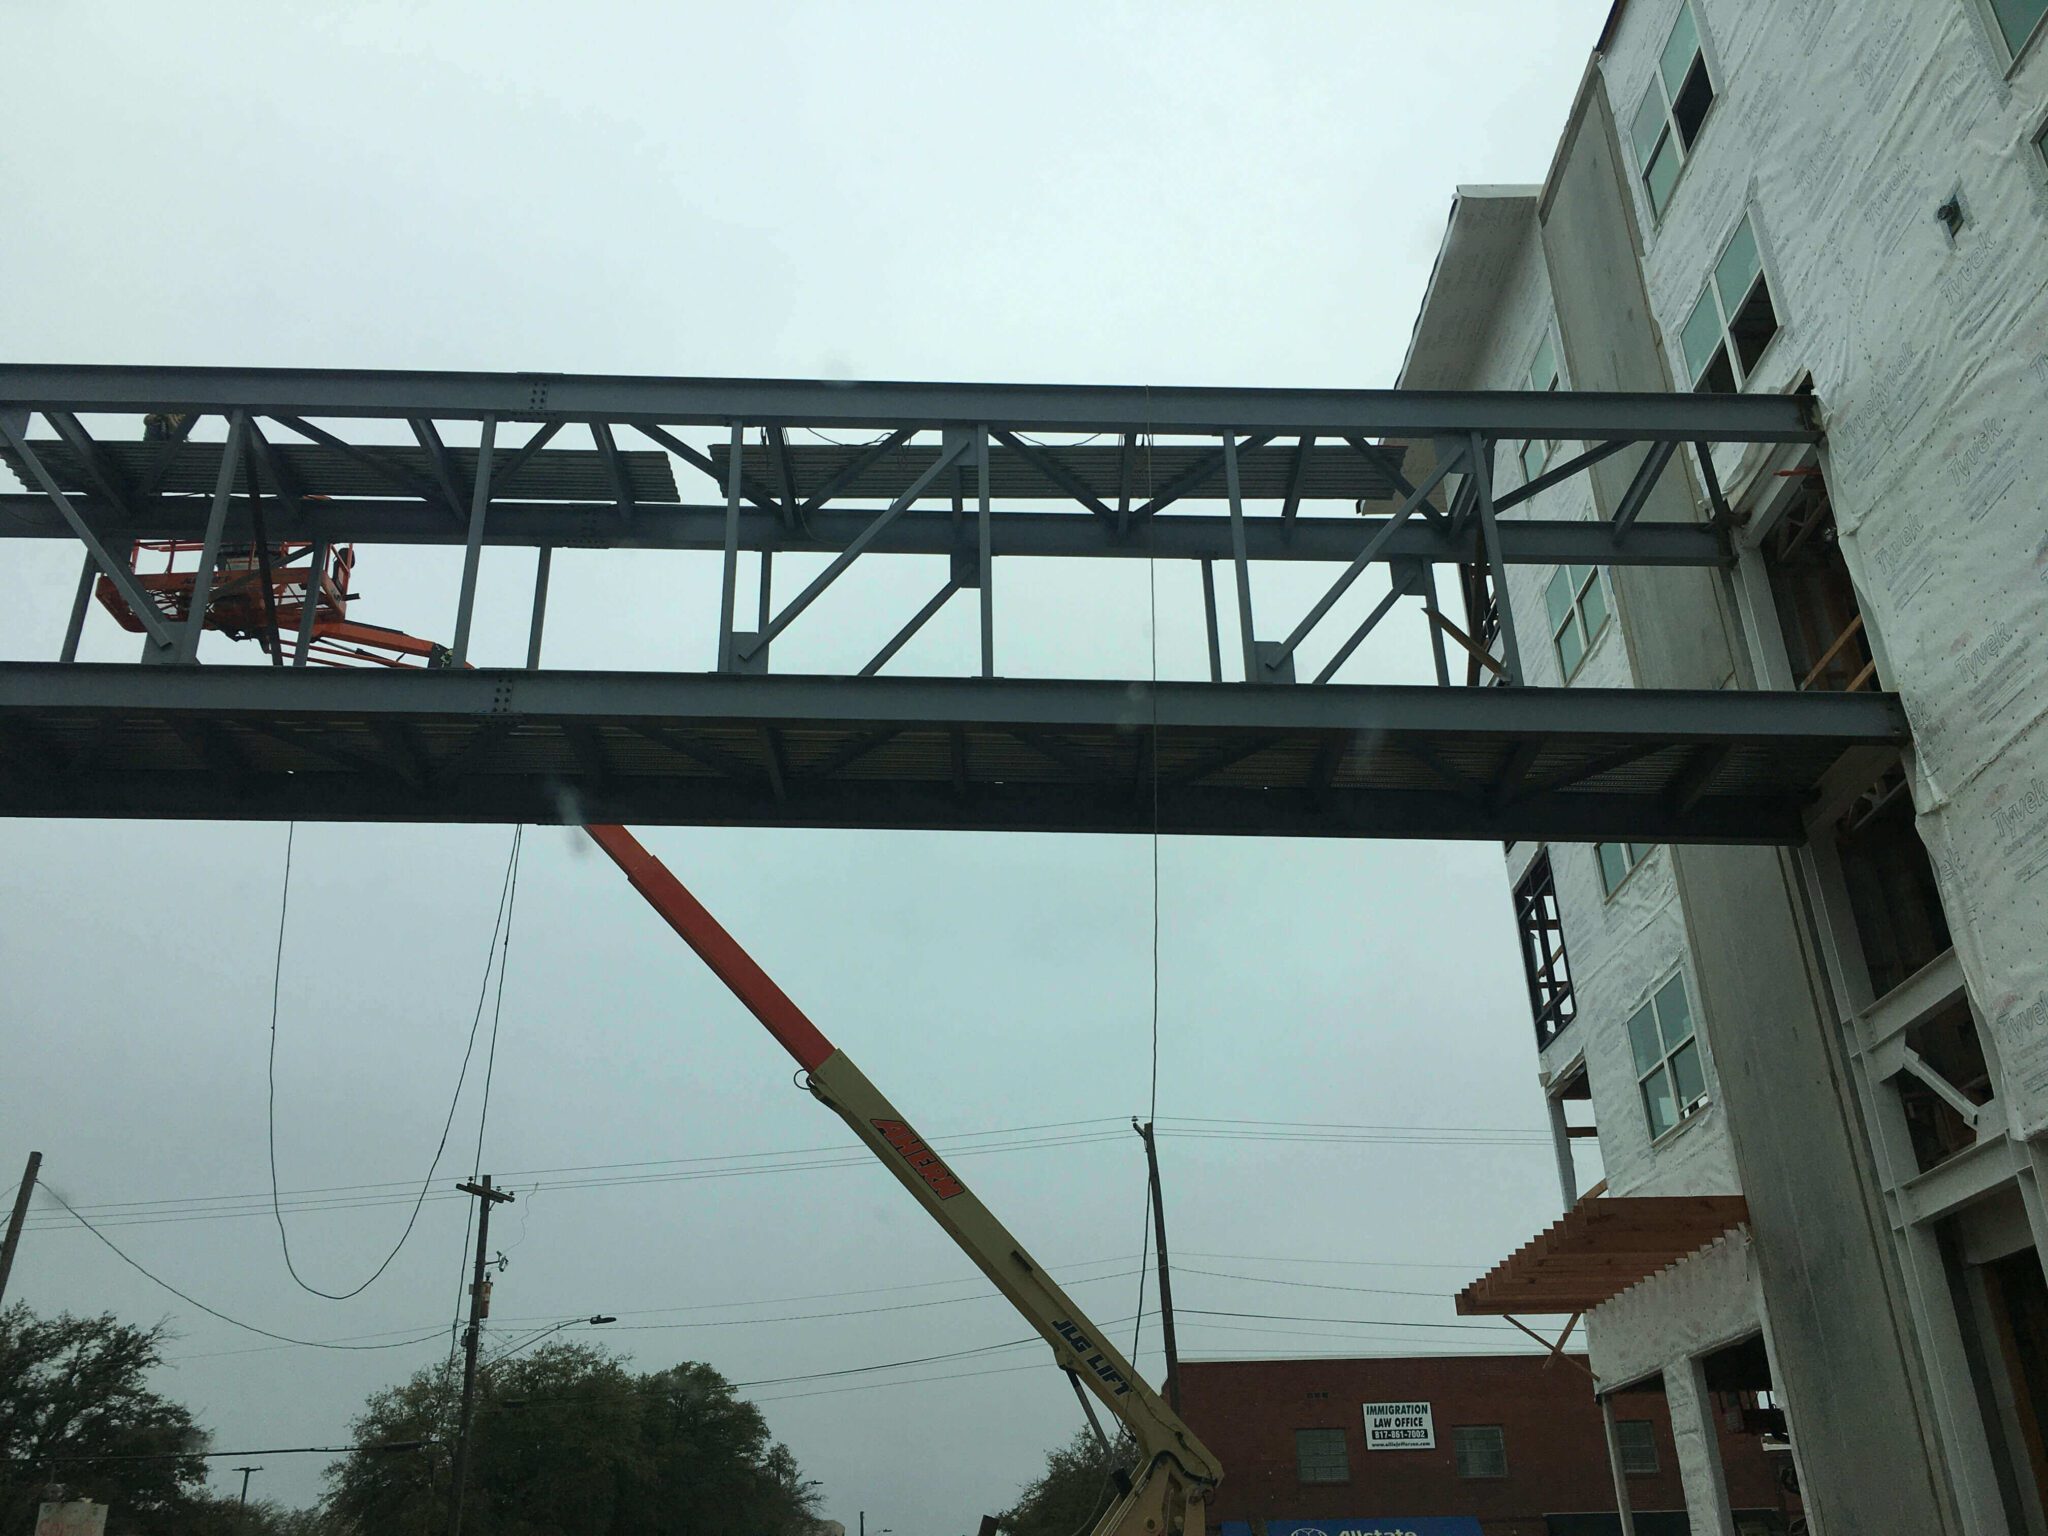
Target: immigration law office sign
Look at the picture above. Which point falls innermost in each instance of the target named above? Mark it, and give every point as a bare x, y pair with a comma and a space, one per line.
1399, 1427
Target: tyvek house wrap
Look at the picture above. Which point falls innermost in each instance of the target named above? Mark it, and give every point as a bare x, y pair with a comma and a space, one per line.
1930, 359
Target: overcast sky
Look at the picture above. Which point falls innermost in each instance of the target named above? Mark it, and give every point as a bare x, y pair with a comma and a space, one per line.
1146, 193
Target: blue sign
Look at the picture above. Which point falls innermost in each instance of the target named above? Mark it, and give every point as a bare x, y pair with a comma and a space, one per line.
1414, 1525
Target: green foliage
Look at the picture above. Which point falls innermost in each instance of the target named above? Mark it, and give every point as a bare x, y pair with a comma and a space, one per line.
1075, 1489
568, 1440
76, 1387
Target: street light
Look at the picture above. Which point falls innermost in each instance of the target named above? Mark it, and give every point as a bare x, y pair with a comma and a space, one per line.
596, 1320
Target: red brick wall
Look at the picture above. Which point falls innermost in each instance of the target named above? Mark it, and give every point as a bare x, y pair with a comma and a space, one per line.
1247, 1412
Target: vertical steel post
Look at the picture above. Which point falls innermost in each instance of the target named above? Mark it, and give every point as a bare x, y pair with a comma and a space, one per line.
729, 589
209, 550
479, 1309
1436, 631
80, 602
1489, 533
1209, 614
541, 569
765, 594
309, 610
988, 558
473, 550
20, 1214
1621, 1504
1241, 560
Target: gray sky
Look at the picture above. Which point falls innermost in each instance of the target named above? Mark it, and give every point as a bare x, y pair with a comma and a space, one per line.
1144, 193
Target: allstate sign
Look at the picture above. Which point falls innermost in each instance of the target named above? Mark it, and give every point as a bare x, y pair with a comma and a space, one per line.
1414, 1525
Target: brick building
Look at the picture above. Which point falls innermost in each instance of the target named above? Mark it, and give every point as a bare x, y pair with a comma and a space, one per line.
1492, 1445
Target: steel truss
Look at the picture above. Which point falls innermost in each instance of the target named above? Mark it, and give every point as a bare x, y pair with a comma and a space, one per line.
957, 473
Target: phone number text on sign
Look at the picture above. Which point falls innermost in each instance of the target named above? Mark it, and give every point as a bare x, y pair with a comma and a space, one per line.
1399, 1427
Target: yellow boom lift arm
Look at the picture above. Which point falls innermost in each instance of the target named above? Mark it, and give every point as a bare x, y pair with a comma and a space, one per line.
1173, 1468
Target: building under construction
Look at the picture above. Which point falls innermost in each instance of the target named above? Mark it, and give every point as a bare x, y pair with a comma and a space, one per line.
1816, 1081
1714, 475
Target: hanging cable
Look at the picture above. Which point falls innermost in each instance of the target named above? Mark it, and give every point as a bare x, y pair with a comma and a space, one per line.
190, 1300
499, 925
498, 1007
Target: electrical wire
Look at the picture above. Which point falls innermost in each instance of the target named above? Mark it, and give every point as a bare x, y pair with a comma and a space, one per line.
801, 1160
447, 1125
498, 1008
159, 1281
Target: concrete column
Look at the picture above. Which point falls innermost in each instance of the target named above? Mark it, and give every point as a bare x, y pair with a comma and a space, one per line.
1561, 1145
1698, 1440
1623, 1509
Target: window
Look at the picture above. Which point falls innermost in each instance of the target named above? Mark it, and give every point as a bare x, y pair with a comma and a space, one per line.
1543, 960
1543, 377
1674, 107
1320, 1456
2017, 21
1617, 859
1638, 1443
1577, 600
1482, 1450
1668, 1066
1734, 320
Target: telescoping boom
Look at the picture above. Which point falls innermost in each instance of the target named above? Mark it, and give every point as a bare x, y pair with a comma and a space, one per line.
1173, 1468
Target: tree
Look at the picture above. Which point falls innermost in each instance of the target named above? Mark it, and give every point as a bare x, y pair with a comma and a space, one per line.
568, 1440
73, 1388
1077, 1485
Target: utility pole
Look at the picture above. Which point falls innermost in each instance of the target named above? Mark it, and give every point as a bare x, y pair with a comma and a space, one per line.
245, 1471
1165, 1272
28, 1187
479, 1309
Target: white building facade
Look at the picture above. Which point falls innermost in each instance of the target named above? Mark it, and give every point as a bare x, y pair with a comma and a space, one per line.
1848, 200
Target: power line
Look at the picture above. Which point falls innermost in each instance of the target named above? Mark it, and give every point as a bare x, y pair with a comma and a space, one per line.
490, 954
920, 1285
851, 1156
346, 1196
283, 1338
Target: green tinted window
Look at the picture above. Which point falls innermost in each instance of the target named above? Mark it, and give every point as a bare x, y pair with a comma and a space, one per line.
2017, 20
1558, 596
1642, 1039
1689, 1074
1679, 50
1674, 1012
1700, 338
1595, 608
1614, 864
1662, 175
1658, 1103
1649, 126
1543, 372
1738, 268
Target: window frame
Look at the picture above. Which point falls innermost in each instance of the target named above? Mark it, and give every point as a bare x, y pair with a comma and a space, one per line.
1458, 1452
1658, 90
1301, 1468
1710, 292
1549, 446
1684, 1111
1637, 855
1547, 968
1649, 1444
1576, 615
2013, 56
